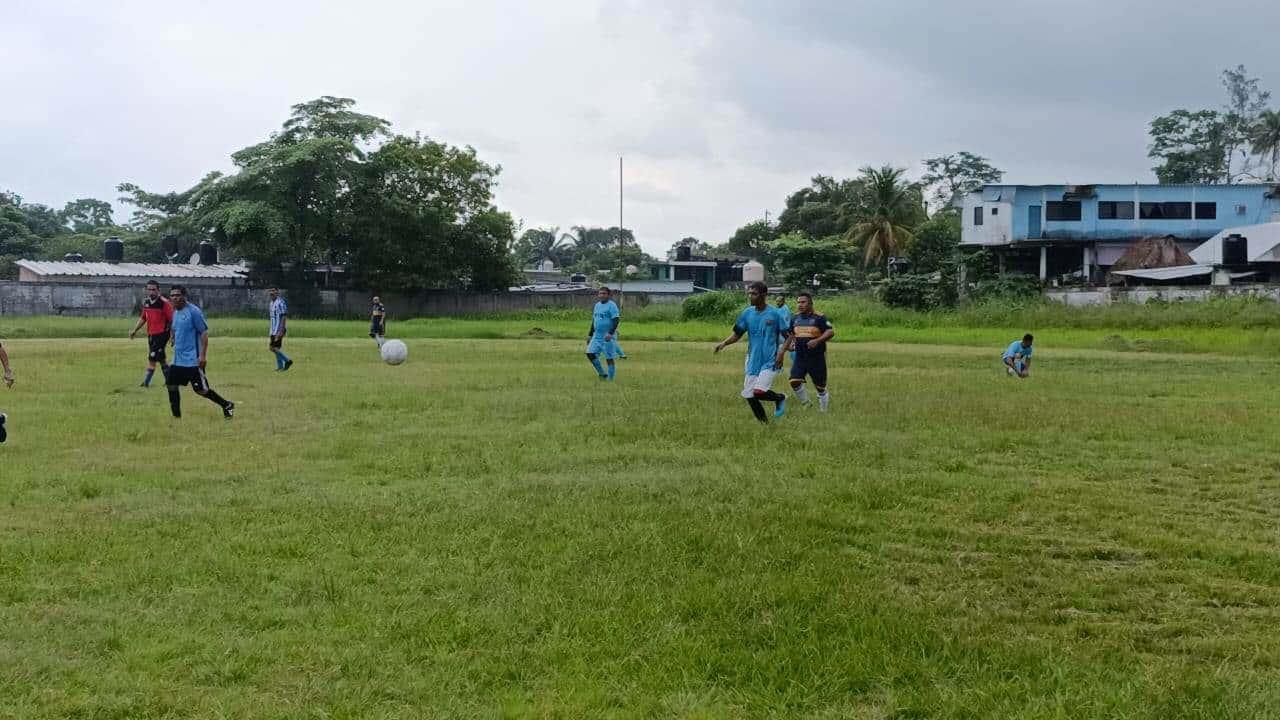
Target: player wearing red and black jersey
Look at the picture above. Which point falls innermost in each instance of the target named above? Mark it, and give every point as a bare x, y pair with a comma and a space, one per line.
157, 316
8, 381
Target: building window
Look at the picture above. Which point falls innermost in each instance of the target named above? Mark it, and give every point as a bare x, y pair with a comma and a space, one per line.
995, 212
977, 215
1115, 210
1206, 211
1165, 210
1062, 211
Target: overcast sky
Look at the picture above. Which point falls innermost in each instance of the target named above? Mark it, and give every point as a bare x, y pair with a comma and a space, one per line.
720, 108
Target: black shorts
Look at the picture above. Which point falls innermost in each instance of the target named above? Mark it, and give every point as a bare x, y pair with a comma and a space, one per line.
277, 341
156, 345
179, 376
815, 366
377, 327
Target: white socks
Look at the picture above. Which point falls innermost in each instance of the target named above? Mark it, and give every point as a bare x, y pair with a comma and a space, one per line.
802, 394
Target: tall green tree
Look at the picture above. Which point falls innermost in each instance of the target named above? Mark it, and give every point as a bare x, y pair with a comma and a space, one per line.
1246, 101
822, 209
887, 208
959, 173
538, 244
936, 245
753, 239
1264, 139
800, 262
87, 215
1191, 146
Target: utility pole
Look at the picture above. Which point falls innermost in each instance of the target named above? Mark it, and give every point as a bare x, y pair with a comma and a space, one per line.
622, 275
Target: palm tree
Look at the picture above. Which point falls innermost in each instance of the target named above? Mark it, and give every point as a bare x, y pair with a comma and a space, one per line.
1264, 137
885, 211
546, 244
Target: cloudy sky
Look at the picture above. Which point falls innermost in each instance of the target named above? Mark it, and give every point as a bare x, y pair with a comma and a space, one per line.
720, 108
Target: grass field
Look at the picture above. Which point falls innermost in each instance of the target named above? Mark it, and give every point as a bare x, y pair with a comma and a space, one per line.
489, 531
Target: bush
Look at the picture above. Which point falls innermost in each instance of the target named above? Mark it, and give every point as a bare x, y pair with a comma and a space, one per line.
716, 305
914, 292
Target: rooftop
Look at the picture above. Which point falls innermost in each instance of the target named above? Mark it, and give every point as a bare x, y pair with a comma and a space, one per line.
133, 270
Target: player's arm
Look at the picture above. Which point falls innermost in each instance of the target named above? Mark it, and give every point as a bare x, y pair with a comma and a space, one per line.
204, 348
828, 332
284, 318
735, 337
142, 320
613, 328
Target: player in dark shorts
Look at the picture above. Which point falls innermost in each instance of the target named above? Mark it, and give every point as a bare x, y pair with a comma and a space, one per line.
8, 381
810, 332
190, 348
378, 321
157, 316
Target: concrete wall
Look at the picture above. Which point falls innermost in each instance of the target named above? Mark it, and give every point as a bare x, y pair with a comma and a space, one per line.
1170, 293
115, 300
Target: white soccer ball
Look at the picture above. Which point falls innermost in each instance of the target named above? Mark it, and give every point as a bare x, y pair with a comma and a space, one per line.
394, 352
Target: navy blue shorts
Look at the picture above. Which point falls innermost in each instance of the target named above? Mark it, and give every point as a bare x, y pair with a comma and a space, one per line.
815, 366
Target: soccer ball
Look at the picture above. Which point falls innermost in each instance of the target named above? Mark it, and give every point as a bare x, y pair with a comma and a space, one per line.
394, 352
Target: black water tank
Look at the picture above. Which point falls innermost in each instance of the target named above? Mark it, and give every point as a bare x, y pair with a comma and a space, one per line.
113, 250
169, 245
577, 278
684, 253
208, 253
73, 257
1235, 250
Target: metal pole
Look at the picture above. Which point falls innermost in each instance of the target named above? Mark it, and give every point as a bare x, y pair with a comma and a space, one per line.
623, 274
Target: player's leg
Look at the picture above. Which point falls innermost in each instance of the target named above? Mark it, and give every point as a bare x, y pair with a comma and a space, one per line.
757, 409
763, 390
610, 354
595, 348
200, 384
818, 373
4, 432
177, 378
285, 361
797, 383
151, 361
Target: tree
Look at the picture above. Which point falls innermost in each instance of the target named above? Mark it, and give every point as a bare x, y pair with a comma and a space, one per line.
87, 215
887, 208
822, 209
752, 240
1245, 103
957, 174
1264, 139
1192, 146
937, 241
538, 244
800, 261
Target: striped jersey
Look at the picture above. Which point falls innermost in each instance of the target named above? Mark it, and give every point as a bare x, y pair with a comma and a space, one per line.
278, 310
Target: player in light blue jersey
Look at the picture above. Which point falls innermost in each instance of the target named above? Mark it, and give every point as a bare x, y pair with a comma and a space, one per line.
190, 352
1017, 357
605, 317
765, 342
279, 314
781, 304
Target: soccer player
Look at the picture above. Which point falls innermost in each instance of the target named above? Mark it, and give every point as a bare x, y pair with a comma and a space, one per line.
278, 313
1017, 357
762, 326
157, 316
605, 317
8, 382
786, 319
378, 321
190, 350
810, 332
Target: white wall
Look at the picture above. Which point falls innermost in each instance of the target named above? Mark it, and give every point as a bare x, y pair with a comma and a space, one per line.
995, 229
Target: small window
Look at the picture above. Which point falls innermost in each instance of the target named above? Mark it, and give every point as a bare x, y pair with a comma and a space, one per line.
1115, 210
1206, 211
995, 212
1165, 211
977, 215
1062, 211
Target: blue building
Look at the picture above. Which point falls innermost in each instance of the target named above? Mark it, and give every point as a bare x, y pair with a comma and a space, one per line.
1081, 230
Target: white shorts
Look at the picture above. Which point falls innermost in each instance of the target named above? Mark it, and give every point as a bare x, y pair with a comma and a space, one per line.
763, 381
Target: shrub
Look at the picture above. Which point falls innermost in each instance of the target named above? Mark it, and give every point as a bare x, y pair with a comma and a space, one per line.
716, 305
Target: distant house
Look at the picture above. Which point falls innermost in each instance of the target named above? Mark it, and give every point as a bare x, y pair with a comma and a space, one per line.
1082, 230
706, 273
39, 271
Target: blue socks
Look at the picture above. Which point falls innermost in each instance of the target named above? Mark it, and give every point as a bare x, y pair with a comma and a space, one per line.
595, 362
281, 360
146, 381
613, 369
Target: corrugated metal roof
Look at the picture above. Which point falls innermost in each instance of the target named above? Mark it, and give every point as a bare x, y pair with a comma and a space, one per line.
1168, 273
1260, 242
134, 270
683, 287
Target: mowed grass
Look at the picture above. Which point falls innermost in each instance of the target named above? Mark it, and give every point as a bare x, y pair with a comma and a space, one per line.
489, 531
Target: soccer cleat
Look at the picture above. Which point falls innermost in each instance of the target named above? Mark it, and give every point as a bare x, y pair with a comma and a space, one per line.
287, 364
229, 410
4, 434
781, 410
1010, 371
824, 401
604, 377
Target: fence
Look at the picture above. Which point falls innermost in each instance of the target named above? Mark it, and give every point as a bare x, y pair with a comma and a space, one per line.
1169, 293
114, 300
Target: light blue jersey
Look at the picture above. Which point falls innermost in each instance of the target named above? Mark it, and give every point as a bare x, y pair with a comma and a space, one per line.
188, 325
785, 312
278, 310
764, 330
1015, 350
602, 317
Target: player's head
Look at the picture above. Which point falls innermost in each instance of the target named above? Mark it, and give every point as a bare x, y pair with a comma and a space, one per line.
756, 293
273, 293
153, 289
804, 303
782, 299
603, 294
377, 300
178, 296
1026, 340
